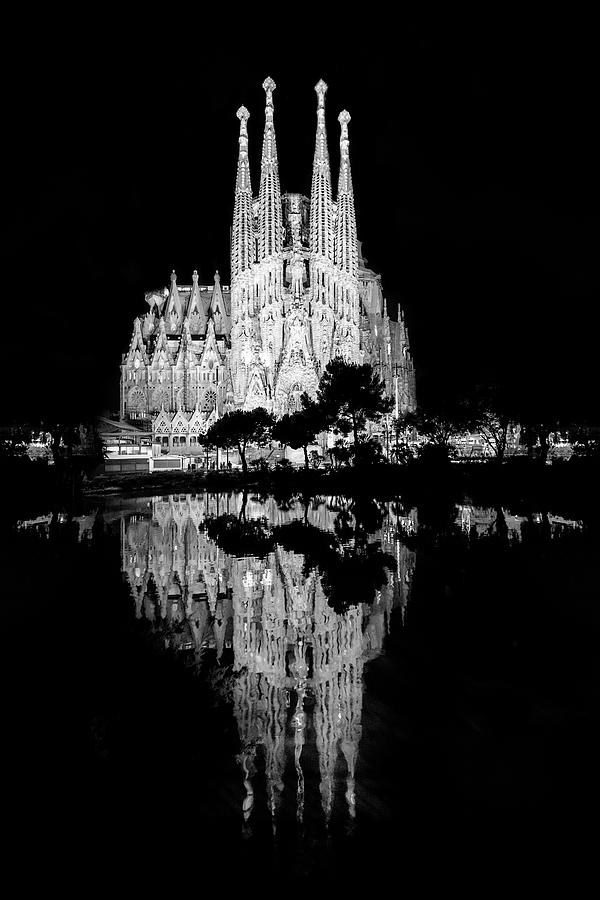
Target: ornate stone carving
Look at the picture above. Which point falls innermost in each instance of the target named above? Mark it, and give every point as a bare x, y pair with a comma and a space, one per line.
298, 296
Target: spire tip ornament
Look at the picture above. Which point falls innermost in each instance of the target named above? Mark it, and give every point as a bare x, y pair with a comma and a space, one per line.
321, 90
243, 114
269, 86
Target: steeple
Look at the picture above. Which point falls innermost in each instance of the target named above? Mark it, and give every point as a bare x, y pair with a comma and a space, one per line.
241, 236
174, 311
137, 341
346, 251
217, 306
321, 218
195, 310
270, 239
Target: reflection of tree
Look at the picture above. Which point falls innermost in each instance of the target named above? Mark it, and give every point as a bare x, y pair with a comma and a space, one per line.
350, 575
298, 610
238, 537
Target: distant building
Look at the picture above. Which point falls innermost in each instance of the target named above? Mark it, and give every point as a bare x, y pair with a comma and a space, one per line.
301, 293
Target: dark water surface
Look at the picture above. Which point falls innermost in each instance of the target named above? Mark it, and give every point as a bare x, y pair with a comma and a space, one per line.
239, 690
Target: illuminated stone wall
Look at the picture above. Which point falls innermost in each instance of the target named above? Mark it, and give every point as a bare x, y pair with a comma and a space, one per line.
301, 293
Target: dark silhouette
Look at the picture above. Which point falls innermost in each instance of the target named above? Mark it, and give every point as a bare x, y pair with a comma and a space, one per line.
238, 429
352, 395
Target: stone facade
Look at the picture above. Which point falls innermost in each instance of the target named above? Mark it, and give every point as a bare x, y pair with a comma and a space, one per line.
301, 293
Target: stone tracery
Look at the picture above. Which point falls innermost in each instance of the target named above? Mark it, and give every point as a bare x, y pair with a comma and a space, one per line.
300, 293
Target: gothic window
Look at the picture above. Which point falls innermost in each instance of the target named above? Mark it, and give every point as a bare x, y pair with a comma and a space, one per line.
209, 402
137, 399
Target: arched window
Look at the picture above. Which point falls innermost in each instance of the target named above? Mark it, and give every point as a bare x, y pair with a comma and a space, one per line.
209, 402
137, 399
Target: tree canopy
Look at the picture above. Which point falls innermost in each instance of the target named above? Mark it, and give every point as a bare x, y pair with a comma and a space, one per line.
352, 395
239, 428
299, 429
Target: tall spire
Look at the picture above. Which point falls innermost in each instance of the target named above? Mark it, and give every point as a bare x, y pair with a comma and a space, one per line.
346, 243
270, 193
174, 309
321, 218
241, 236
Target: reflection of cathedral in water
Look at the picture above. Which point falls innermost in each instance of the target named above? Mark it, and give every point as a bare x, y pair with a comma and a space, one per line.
297, 664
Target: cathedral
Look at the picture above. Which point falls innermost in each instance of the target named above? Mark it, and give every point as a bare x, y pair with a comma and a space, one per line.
301, 293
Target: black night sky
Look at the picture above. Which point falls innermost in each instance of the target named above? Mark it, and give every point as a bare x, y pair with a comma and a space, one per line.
475, 167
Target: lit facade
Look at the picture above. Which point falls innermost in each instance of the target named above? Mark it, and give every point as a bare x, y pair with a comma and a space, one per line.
300, 294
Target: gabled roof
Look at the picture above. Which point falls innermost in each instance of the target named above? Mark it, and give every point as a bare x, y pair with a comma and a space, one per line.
161, 349
197, 307
137, 342
174, 302
219, 312
211, 348
163, 420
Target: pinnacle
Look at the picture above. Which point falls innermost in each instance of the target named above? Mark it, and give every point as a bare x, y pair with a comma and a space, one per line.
321, 89
269, 85
243, 113
344, 117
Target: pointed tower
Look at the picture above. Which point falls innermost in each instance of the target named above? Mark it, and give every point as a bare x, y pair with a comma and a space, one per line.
267, 284
242, 258
269, 215
322, 234
346, 243
242, 241
174, 309
195, 310
346, 339
321, 211
218, 313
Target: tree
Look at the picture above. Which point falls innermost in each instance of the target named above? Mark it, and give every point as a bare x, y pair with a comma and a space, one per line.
368, 453
238, 429
490, 412
339, 454
540, 414
299, 429
64, 436
439, 427
350, 395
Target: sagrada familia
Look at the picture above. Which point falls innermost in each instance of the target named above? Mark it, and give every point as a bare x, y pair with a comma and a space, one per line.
300, 294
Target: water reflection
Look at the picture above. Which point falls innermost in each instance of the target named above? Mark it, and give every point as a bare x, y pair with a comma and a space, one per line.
276, 591
281, 602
